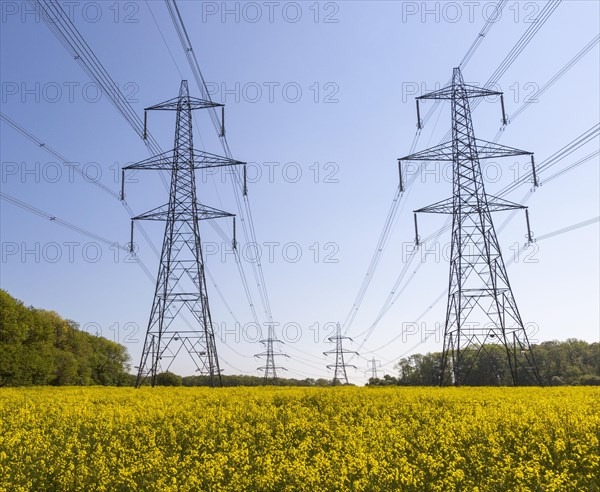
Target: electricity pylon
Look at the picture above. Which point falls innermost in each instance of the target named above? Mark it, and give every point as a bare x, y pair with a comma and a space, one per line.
373, 366
180, 282
270, 369
481, 309
340, 375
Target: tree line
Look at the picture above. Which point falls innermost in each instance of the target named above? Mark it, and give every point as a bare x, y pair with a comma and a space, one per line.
38, 347
570, 362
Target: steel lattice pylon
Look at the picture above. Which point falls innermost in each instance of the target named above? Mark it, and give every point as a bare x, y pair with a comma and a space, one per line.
374, 365
340, 375
270, 368
481, 309
181, 281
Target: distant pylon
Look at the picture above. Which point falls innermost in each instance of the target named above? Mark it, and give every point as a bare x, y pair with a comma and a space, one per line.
340, 375
481, 309
181, 281
270, 369
373, 365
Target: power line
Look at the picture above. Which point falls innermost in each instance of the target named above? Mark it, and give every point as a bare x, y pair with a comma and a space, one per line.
205, 94
589, 135
523, 42
70, 164
481, 36
557, 76
68, 35
516, 51
58, 220
399, 194
54, 219
544, 166
80, 230
247, 225
567, 229
442, 294
46, 147
502, 68
509, 59
584, 138
508, 262
578, 163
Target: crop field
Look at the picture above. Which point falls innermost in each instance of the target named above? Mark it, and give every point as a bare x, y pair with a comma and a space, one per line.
278, 439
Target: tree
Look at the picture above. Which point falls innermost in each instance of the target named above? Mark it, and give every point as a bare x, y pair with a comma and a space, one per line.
571, 362
386, 381
168, 379
39, 347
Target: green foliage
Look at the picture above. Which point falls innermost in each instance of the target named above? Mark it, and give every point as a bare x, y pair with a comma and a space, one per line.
39, 347
572, 362
168, 379
386, 381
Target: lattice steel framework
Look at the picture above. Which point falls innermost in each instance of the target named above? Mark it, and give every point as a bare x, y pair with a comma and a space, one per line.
340, 375
373, 367
181, 283
270, 368
481, 309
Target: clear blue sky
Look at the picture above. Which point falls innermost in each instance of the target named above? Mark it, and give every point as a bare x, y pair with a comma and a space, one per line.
357, 79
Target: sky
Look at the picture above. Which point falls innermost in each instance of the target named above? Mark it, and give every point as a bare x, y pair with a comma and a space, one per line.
320, 102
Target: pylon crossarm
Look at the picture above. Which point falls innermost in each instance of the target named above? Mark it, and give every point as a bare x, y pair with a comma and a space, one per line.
339, 337
492, 150
159, 162
181, 103
485, 150
345, 351
174, 103
341, 351
204, 212
204, 160
164, 161
466, 90
441, 152
270, 340
496, 204
442, 207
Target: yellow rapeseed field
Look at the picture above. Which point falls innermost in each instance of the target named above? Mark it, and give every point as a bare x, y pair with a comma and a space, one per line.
286, 439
